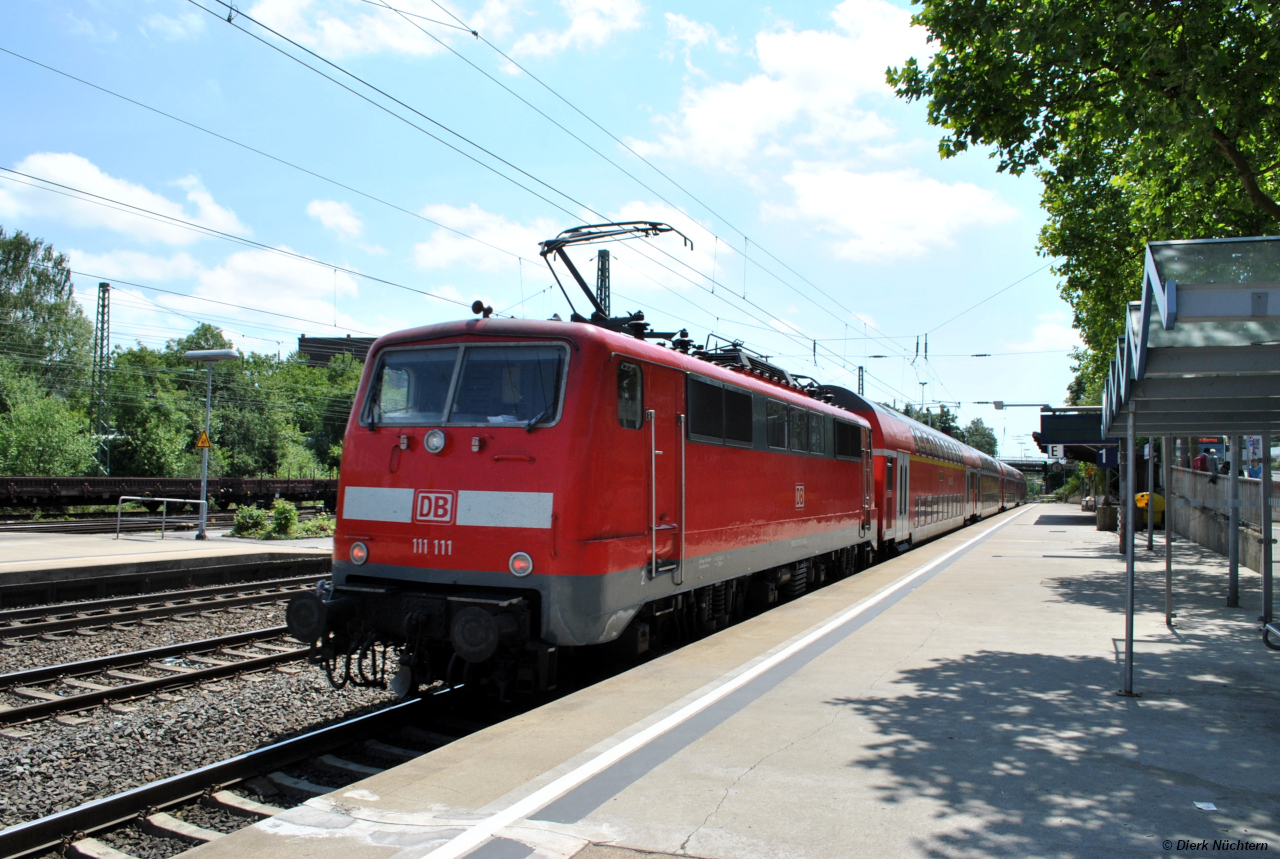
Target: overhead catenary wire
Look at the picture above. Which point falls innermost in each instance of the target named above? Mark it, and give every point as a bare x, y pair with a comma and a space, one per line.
182, 223
746, 255
454, 133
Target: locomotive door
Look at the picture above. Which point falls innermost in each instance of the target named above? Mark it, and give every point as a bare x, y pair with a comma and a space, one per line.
666, 417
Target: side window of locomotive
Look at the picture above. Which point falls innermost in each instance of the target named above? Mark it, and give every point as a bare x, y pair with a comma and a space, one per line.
706, 410
412, 387
630, 396
799, 430
847, 438
817, 434
508, 385
776, 423
737, 417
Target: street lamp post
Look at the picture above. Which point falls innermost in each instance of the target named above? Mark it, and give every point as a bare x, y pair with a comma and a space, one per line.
208, 357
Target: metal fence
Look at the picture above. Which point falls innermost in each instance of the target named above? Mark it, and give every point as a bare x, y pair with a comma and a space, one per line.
164, 518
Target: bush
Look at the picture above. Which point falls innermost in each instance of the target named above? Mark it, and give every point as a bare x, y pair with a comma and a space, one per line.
321, 526
249, 521
284, 518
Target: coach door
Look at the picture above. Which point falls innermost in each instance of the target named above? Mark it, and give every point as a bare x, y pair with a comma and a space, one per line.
904, 496
666, 419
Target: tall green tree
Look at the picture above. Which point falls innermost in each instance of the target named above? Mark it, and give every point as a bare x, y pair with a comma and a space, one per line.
1145, 121
41, 324
978, 435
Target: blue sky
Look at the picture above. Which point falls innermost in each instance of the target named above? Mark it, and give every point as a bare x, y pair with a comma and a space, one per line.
766, 134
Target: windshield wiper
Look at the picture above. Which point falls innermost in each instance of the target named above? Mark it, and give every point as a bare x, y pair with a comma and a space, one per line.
545, 413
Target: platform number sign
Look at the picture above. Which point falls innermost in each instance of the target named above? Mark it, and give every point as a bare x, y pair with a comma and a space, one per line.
433, 506
799, 496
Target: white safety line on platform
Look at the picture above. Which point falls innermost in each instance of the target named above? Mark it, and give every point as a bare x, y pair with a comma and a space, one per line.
485, 829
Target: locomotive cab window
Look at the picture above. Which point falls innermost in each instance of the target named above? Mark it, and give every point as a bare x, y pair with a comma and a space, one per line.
411, 387
469, 385
630, 396
507, 385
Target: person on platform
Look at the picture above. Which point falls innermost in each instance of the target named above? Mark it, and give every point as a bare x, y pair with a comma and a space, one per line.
1200, 463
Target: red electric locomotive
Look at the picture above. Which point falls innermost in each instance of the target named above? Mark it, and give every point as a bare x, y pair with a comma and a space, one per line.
511, 487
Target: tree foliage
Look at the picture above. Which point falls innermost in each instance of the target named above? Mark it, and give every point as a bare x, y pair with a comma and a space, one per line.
1145, 121
270, 416
978, 435
41, 325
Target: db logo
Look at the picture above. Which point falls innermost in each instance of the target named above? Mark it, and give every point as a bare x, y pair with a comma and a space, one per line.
433, 506
799, 496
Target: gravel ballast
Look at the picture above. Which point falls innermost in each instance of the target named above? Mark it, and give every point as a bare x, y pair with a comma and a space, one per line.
39, 652
61, 766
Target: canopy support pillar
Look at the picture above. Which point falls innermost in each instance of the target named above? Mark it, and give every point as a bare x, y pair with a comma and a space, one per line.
1266, 527
1233, 528
1129, 536
1166, 480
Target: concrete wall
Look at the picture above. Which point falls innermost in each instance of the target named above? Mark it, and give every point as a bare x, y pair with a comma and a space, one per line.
1201, 509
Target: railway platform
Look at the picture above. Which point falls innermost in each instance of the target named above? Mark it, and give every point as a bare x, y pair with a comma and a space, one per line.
957, 701
56, 563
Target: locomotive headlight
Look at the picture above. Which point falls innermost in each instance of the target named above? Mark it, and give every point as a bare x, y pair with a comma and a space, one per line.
359, 553
521, 564
434, 442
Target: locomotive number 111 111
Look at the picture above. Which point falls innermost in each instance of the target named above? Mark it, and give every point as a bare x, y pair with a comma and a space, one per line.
422, 546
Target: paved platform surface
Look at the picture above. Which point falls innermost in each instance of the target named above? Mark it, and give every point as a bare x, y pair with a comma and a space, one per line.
25, 555
958, 701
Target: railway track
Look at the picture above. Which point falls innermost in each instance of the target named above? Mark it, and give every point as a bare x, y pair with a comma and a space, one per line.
31, 621
67, 688
282, 767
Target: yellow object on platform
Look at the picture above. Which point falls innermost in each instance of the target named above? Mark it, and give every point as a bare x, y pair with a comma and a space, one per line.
1141, 500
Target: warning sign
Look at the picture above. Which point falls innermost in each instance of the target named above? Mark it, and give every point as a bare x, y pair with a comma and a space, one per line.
202, 443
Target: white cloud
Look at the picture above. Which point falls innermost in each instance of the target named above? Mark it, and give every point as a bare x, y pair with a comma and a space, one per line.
256, 279
691, 34
592, 23
77, 172
339, 217
172, 28
133, 265
269, 281
444, 248
821, 78
1053, 332
889, 214
333, 29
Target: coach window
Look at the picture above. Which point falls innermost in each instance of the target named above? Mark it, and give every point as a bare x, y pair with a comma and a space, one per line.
737, 417
799, 430
776, 423
630, 396
817, 434
847, 446
706, 410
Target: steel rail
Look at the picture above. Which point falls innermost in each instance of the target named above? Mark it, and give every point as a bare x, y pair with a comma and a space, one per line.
135, 657
210, 594
33, 836
188, 677
64, 624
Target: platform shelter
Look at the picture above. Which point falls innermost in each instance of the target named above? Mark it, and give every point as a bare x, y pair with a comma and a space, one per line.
1200, 354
